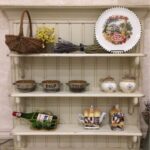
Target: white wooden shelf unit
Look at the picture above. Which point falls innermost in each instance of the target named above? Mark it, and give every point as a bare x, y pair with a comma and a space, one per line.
64, 67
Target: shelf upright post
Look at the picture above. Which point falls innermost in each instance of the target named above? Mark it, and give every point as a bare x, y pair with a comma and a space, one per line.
18, 104
132, 104
132, 142
18, 144
19, 67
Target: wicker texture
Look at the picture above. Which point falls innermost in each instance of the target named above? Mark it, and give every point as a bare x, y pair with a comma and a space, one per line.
20, 43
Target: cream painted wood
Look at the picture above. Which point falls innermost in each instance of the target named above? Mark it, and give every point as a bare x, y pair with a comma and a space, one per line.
73, 25
5, 104
94, 93
72, 129
77, 3
8, 145
79, 55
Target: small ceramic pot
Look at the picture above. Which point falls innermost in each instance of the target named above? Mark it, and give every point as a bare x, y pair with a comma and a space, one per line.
51, 85
77, 85
128, 84
25, 85
108, 85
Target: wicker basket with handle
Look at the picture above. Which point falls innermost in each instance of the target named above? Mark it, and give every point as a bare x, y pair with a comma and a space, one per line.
20, 43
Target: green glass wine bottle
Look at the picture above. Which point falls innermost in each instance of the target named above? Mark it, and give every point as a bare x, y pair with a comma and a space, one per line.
35, 116
39, 120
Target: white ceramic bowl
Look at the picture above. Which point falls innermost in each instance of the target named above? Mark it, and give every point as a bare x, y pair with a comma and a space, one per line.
108, 86
127, 86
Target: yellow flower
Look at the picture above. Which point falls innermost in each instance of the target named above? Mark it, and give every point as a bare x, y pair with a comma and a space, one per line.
46, 34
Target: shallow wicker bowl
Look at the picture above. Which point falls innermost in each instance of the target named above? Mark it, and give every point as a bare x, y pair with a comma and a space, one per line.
25, 85
77, 85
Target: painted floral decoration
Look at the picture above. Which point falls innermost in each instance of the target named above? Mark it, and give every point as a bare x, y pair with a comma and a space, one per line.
117, 29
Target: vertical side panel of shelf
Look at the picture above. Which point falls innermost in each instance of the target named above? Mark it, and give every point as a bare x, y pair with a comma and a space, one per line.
64, 142
89, 72
101, 70
64, 109
125, 70
40, 141
76, 109
76, 33
16, 60
77, 142
115, 68
64, 64
64, 31
88, 33
88, 142
38, 74
125, 64
123, 142
30, 141
89, 63
101, 142
52, 142
114, 142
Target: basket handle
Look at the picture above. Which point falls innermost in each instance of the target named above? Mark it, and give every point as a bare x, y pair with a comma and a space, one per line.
21, 23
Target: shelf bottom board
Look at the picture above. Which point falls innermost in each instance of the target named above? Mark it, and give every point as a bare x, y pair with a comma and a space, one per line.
75, 129
96, 93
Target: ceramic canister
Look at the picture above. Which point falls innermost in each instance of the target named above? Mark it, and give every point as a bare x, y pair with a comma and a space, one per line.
128, 84
108, 85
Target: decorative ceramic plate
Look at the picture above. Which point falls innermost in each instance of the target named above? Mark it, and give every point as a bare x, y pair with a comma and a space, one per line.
118, 30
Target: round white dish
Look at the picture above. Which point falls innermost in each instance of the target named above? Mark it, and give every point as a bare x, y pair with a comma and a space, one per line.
118, 29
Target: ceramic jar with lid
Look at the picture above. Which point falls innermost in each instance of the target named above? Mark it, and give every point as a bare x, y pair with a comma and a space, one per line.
128, 84
108, 85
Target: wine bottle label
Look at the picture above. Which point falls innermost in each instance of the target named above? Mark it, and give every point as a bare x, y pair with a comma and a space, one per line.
44, 117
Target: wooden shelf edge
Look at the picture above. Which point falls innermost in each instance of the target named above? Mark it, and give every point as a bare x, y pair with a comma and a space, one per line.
71, 129
56, 4
78, 55
71, 94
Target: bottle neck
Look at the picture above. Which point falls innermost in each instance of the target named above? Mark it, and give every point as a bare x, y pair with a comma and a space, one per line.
24, 115
17, 114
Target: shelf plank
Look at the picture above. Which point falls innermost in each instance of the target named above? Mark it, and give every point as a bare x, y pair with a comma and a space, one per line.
71, 94
72, 4
73, 129
78, 55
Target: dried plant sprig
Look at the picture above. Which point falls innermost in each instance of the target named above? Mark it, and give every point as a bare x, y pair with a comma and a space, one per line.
146, 112
46, 34
147, 106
